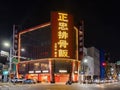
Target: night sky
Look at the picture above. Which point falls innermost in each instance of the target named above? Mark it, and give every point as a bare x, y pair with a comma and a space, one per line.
101, 19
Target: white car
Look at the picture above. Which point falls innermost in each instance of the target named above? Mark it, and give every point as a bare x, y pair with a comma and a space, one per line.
96, 81
17, 80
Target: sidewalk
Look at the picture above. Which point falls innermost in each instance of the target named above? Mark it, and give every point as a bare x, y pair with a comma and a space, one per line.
7, 84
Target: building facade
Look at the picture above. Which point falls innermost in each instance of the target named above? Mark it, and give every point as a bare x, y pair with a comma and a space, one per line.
51, 50
94, 53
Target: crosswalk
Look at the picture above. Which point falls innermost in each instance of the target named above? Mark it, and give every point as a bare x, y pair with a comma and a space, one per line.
106, 85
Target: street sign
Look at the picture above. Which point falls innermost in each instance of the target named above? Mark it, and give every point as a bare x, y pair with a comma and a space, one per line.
15, 61
4, 53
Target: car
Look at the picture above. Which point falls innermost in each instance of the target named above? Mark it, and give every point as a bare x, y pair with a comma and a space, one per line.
108, 80
29, 81
96, 81
17, 80
87, 81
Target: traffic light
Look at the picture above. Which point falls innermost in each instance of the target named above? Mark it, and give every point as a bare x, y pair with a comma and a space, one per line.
15, 37
104, 64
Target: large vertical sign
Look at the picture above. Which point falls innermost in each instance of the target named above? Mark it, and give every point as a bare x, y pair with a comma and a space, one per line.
80, 40
16, 29
62, 35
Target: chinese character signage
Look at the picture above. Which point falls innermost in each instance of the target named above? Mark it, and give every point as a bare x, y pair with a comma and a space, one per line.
62, 35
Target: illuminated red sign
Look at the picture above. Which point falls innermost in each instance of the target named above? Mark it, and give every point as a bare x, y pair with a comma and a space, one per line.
62, 35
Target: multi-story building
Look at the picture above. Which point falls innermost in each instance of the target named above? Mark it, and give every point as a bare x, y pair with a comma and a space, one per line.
118, 69
94, 53
52, 49
113, 71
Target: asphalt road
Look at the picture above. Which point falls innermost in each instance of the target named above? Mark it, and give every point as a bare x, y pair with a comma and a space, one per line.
110, 86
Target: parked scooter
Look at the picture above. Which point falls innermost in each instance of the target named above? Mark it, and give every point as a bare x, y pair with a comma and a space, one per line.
68, 82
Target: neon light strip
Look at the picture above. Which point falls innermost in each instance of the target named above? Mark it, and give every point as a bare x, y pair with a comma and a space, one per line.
35, 28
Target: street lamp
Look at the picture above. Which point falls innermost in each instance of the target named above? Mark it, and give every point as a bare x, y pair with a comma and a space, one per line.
7, 44
23, 49
11, 56
85, 60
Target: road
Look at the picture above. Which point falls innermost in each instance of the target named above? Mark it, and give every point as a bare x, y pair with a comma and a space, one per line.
110, 86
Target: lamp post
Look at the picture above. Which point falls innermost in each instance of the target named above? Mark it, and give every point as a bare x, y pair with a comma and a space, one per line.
10, 64
7, 45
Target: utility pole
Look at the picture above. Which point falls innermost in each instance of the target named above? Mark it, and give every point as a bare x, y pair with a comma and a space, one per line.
13, 48
10, 64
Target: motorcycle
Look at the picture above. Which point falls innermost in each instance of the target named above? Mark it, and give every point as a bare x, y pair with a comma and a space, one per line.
68, 82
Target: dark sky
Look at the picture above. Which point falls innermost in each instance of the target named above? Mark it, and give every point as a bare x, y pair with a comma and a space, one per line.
101, 18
